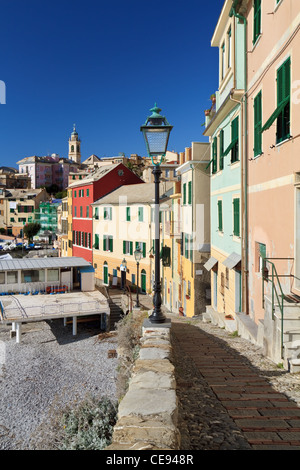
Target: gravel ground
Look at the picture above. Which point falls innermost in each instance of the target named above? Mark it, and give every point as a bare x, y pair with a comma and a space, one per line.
49, 369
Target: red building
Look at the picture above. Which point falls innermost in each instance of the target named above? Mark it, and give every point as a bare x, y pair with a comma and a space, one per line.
86, 191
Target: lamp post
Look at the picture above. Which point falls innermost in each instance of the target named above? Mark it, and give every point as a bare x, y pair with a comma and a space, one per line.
123, 268
156, 132
138, 256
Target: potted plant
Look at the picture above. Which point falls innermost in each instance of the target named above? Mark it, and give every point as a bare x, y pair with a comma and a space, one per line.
207, 112
213, 98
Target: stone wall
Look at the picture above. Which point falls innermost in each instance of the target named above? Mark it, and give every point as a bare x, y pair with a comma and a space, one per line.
148, 413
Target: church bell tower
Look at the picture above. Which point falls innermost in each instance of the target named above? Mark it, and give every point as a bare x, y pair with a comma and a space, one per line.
74, 146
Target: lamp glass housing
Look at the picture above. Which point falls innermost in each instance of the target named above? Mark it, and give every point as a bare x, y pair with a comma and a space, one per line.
138, 255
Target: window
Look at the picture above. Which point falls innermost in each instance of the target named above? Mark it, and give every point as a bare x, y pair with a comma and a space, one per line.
220, 217
52, 275
33, 275
87, 211
2, 278
128, 214
260, 254
96, 213
87, 192
236, 217
190, 192
141, 214
257, 20
229, 40
221, 150
223, 60
96, 244
107, 213
12, 277
283, 101
75, 212
282, 111
127, 247
235, 140
214, 155
227, 278
142, 247
257, 125
108, 243
80, 211
184, 193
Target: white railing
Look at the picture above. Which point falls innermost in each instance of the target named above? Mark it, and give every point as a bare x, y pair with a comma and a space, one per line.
49, 310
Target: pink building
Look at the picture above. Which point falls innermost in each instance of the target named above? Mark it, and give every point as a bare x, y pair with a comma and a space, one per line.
46, 171
272, 174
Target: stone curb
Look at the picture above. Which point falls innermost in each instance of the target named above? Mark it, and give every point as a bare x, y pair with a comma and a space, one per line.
148, 413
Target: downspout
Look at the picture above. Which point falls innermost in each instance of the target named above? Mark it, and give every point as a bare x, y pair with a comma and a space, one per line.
245, 274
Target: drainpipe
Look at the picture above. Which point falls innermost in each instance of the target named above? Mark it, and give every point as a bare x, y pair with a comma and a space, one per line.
245, 271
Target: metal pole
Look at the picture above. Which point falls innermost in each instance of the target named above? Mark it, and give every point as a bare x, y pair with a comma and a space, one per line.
137, 285
157, 315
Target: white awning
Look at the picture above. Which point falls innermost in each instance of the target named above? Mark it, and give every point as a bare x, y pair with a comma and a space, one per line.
210, 263
232, 260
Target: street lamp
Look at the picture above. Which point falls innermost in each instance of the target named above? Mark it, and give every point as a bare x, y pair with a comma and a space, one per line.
138, 256
156, 132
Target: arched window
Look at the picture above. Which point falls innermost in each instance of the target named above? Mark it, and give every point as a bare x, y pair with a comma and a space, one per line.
72, 148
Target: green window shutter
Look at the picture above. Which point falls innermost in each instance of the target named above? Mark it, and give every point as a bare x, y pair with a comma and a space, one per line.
97, 242
191, 250
104, 243
80, 211
111, 244
190, 192
220, 217
141, 214
257, 124
186, 245
96, 213
236, 217
221, 142
144, 250
131, 248
283, 101
215, 155
128, 214
104, 213
235, 140
124, 247
184, 193
257, 20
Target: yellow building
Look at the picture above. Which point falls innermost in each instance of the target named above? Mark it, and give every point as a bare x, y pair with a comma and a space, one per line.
122, 221
194, 281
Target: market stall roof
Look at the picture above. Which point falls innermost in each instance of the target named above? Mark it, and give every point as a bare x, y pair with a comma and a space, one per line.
43, 263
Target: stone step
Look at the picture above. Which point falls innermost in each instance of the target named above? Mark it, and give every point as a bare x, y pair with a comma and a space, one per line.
294, 365
291, 335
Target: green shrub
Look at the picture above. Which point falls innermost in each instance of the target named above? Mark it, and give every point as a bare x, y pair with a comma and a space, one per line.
89, 426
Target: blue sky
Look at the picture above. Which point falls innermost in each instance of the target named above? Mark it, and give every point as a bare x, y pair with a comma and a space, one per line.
103, 65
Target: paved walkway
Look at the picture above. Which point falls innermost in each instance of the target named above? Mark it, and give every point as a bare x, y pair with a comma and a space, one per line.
225, 402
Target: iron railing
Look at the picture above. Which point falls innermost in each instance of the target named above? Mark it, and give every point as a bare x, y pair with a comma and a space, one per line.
276, 288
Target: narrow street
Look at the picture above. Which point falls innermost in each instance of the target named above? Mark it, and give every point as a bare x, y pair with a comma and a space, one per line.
227, 402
